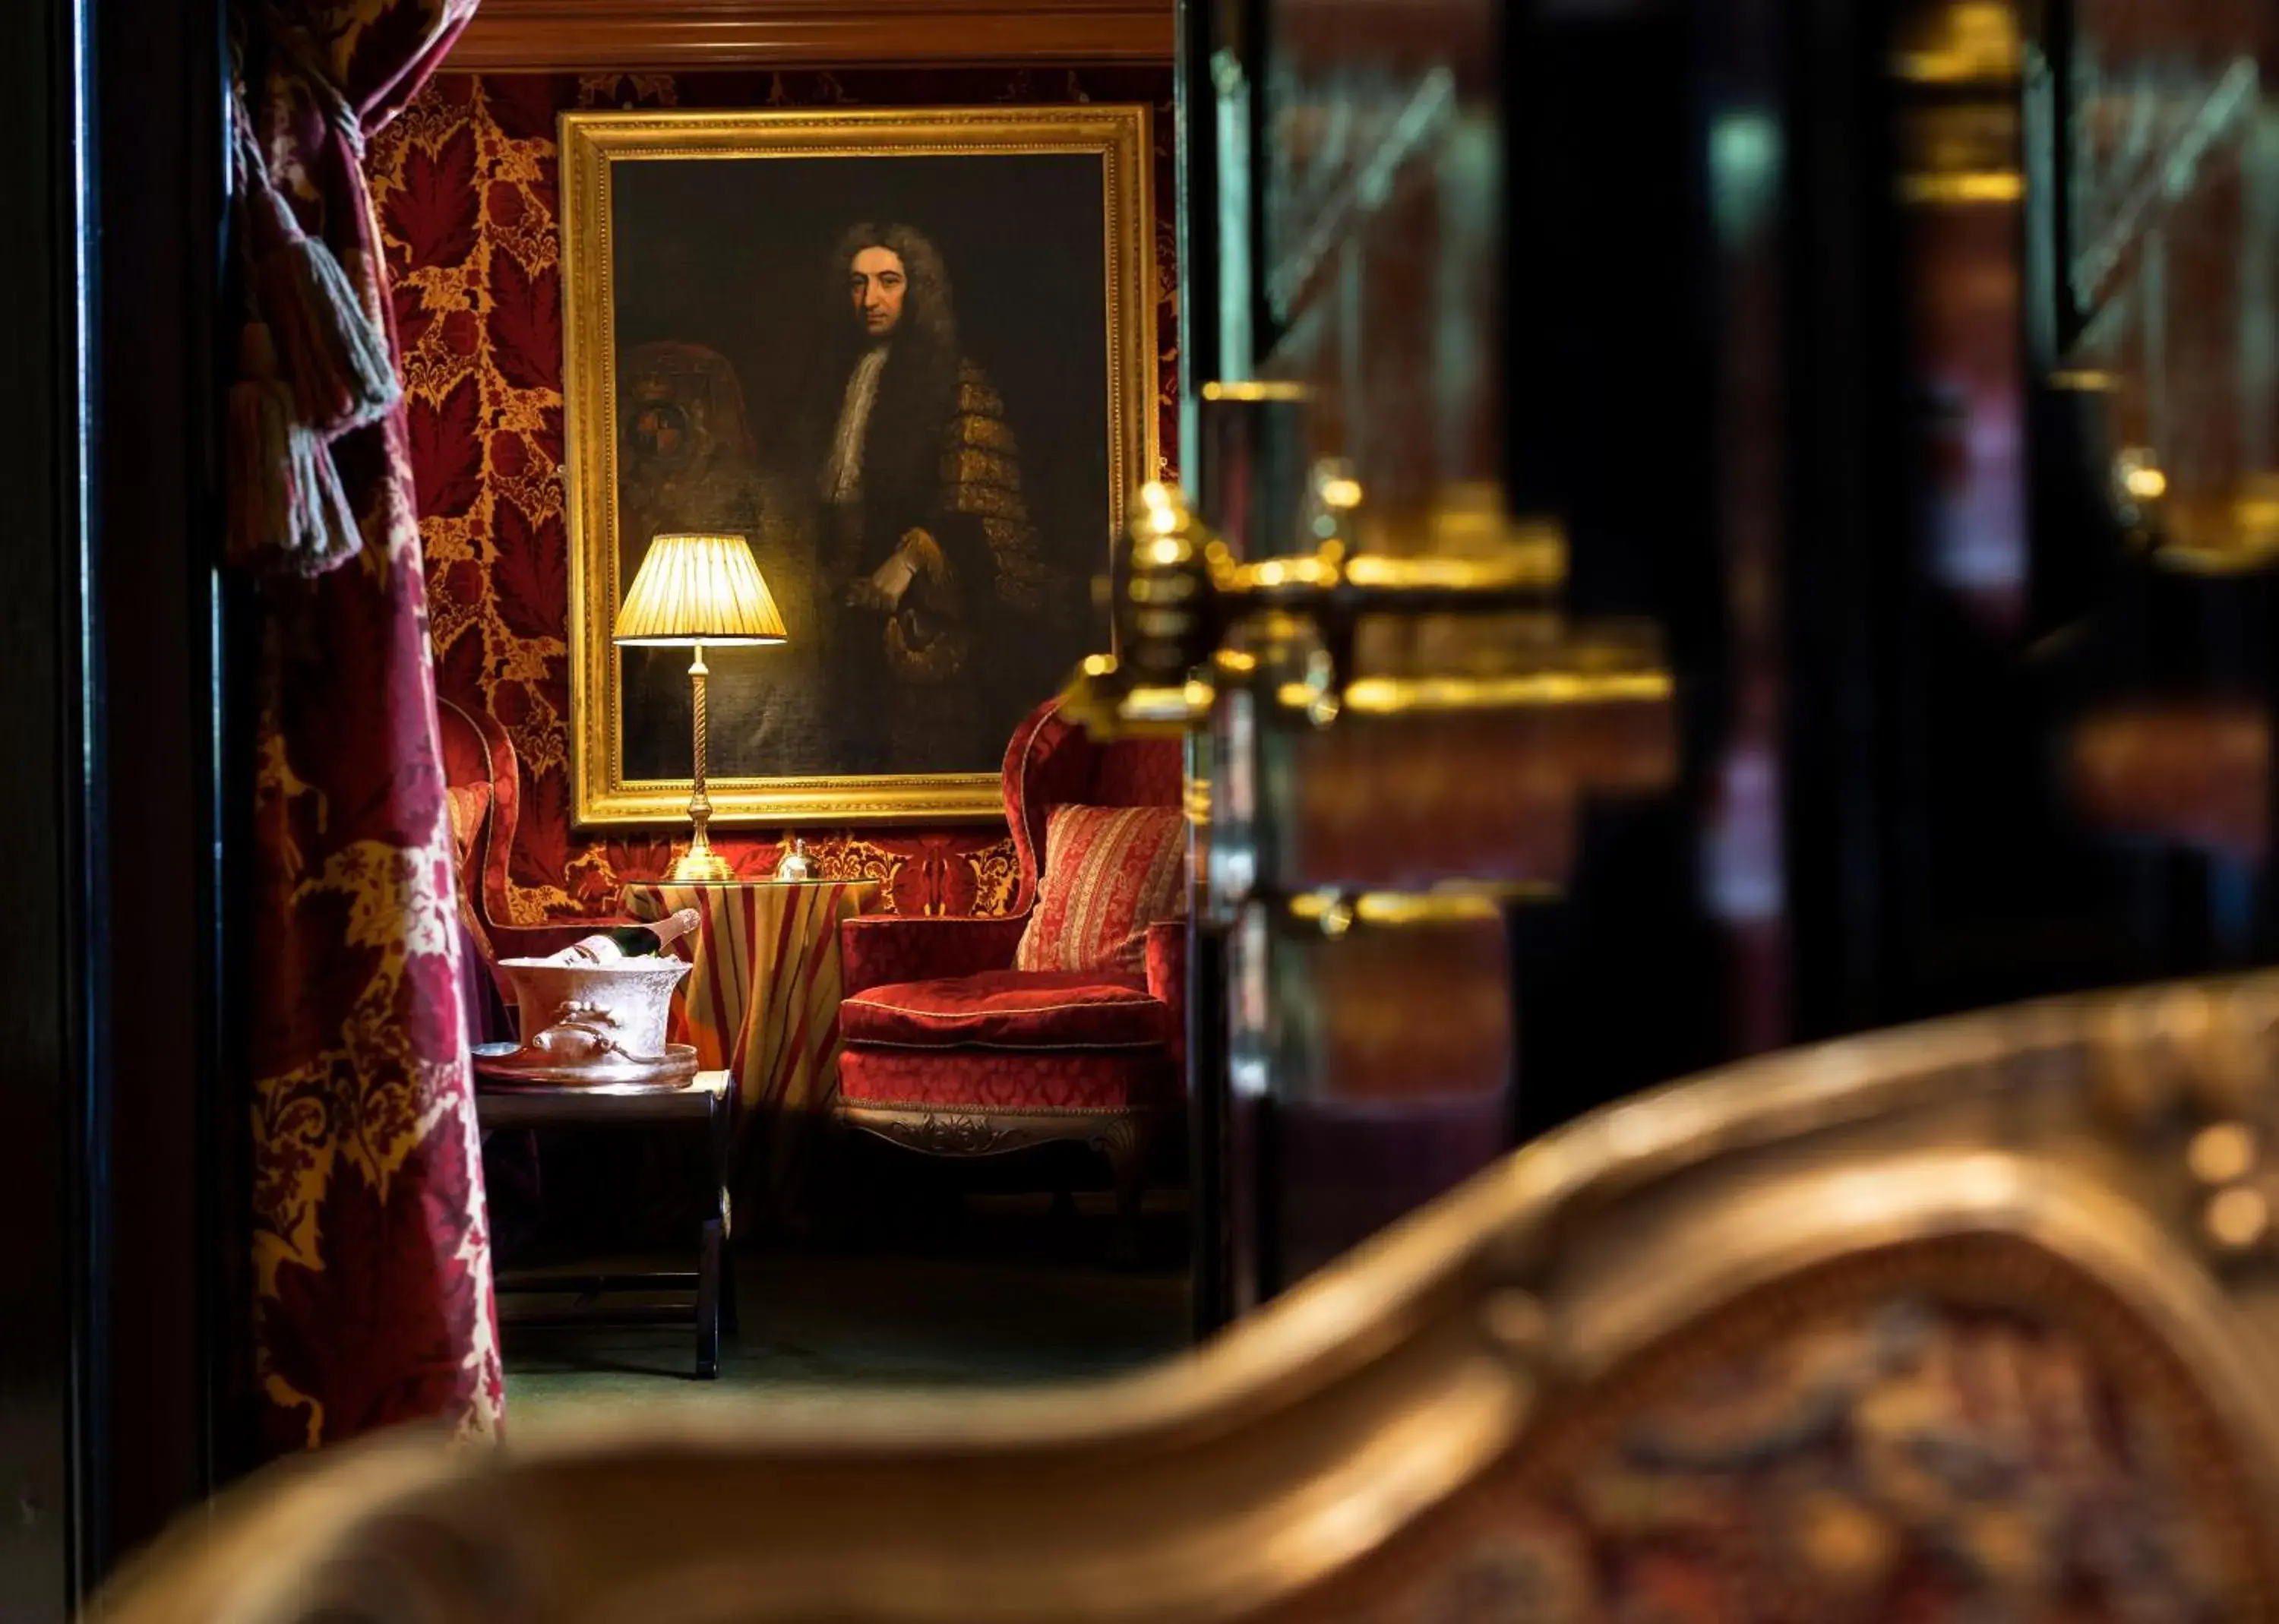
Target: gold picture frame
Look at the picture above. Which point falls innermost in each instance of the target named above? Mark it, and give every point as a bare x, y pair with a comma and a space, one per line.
596, 149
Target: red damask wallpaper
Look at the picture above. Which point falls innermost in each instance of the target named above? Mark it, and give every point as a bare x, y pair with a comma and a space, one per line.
464, 185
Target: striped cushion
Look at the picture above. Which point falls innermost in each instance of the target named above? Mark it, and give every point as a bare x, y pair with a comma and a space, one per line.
1110, 873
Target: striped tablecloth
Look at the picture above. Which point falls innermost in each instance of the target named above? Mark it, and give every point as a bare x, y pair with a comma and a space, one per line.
763, 1003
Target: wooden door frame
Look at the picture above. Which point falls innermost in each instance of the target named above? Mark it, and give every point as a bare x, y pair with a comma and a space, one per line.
46, 1068
111, 1053
175, 1205
611, 35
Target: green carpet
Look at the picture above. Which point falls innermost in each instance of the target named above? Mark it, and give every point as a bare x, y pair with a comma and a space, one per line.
1005, 1293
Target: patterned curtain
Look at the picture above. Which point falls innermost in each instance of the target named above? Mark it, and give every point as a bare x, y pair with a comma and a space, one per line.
371, 1258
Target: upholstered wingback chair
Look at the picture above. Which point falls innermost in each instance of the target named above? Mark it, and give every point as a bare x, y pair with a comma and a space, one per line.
484, 783
950, 1050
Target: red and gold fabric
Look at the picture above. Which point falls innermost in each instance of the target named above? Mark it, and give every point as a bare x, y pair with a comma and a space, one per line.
762, 1001
1052, 763
470, 804
1109, 872
881, 948
1010, 1009
372, 1255
1036, 1080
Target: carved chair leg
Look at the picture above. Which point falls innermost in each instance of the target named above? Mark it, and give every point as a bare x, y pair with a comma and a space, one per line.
1125, 1143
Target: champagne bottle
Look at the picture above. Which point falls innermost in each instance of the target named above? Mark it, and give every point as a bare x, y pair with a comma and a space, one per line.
629, 941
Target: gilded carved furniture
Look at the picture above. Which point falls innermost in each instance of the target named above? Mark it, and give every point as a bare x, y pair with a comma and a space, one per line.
1968, 1320
950, 1050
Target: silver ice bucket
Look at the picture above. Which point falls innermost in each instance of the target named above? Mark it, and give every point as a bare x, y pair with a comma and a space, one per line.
593, 1023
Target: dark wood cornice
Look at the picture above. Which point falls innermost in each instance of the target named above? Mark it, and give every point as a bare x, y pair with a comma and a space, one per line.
587, 35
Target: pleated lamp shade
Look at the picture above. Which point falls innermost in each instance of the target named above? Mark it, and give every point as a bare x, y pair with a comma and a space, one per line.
698, 589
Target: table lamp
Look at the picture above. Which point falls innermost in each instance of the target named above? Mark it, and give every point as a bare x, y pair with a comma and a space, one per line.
689, 591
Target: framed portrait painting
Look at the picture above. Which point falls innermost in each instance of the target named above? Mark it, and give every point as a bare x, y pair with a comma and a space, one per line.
910, 355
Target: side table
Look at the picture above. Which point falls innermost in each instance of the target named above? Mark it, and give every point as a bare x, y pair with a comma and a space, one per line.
710, 1098
762, 1003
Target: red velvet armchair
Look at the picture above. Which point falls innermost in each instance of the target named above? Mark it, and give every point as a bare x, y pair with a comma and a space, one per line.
949, 1050
484, 785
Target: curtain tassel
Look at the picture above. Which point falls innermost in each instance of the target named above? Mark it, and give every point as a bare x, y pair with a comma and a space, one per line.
343, 376
286, 508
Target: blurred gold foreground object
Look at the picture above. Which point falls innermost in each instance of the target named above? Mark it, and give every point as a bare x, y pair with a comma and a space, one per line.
1762, 1294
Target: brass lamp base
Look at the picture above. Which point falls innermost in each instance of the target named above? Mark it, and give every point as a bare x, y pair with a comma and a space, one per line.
701, 863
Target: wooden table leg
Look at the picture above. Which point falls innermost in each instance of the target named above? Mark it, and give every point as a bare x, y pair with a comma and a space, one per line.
717, 1289
708, 1303
728, 1291
723, 1129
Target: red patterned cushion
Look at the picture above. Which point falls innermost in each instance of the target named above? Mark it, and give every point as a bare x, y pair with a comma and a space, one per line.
1110, 873
978, 1079
1009, 1009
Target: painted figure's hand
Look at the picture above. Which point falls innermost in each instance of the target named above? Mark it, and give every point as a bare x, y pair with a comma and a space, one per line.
883, 588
